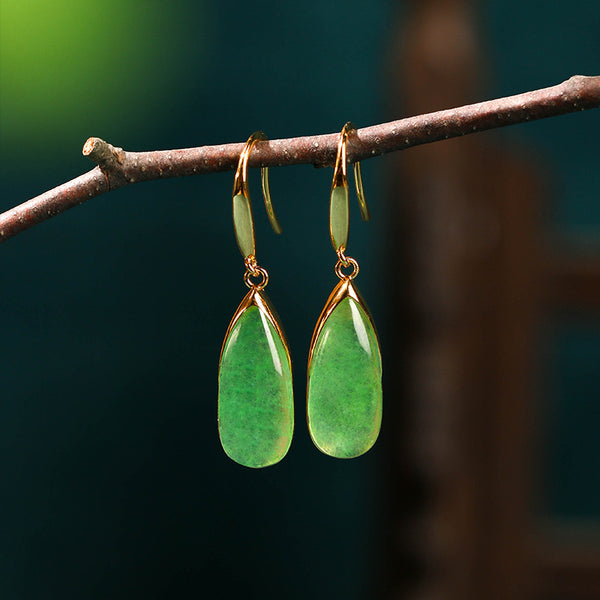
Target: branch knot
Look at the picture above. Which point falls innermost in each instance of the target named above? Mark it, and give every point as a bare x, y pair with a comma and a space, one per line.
108, 158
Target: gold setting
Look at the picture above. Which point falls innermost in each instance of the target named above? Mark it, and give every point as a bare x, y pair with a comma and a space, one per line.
255, 297
344, 289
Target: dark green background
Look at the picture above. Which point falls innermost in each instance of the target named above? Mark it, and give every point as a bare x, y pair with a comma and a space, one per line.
112, 315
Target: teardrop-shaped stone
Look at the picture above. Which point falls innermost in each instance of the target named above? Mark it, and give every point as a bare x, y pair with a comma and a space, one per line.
344, 383
256, 411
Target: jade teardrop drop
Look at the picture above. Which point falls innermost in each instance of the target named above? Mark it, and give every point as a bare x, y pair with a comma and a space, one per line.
256, 411
344, 383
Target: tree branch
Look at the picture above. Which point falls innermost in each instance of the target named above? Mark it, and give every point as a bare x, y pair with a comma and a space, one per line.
117, 168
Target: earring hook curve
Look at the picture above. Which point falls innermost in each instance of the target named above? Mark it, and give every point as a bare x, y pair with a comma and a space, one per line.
339, 210
243, 221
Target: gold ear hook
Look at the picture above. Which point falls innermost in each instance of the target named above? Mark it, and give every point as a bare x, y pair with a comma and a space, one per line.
242, 209
339, 211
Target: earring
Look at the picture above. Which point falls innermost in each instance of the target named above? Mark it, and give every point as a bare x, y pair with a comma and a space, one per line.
256, 410
344, 396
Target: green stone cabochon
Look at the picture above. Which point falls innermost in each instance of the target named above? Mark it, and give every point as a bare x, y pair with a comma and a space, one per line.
243, 224
344, 383
256, 410
339, 216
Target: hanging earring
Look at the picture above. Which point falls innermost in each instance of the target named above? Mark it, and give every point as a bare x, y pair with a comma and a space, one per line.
344, 396
256, 410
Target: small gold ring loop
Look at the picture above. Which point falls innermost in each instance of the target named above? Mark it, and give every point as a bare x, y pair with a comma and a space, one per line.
257, 272
349, 262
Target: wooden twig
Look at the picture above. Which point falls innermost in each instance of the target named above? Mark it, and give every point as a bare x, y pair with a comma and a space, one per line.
117, 168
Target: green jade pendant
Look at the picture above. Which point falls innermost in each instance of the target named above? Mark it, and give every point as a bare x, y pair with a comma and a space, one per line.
344, 403
256, 411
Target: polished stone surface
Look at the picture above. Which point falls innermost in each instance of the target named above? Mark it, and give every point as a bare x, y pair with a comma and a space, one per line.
256, 411
243, 224
344, 387
339, 216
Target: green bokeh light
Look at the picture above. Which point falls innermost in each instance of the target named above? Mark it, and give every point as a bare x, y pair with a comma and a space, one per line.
68, 65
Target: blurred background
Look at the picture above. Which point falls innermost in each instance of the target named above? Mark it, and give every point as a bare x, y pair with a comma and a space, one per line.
481, 267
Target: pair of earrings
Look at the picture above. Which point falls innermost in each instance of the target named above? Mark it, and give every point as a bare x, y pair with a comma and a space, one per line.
344, 395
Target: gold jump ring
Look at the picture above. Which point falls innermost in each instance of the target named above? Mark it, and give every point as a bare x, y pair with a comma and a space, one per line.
341, 265
256, 272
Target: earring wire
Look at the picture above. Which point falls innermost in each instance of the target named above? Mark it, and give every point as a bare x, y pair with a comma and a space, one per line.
339, 212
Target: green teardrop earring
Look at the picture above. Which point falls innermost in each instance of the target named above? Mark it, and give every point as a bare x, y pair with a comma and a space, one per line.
256, 410
344, 395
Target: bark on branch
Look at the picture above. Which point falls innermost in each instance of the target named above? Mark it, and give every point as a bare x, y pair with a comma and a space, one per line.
117, 168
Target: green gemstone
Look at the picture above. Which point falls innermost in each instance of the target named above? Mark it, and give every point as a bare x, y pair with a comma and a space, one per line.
243, 224
339, 216
344, 383
256, 411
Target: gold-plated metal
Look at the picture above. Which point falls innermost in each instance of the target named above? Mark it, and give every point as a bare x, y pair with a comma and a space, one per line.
255, 297
340, 176
240, 182
365, 213
341, 264
338, 211
344, 289
253, 270
264, 177
242, 208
